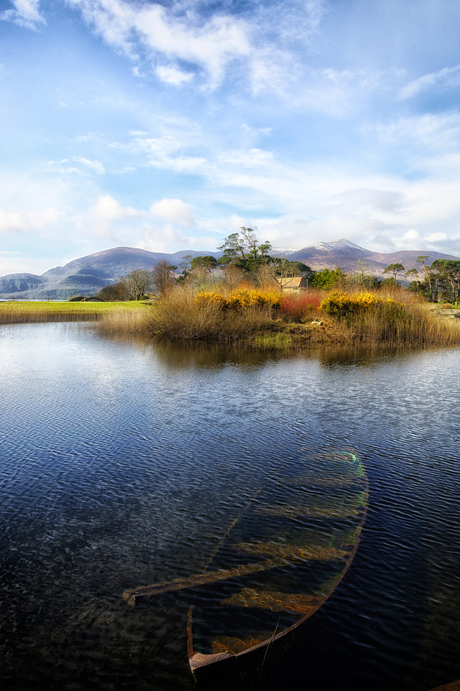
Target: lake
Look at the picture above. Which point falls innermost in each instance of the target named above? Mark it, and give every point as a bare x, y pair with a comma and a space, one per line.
123, 463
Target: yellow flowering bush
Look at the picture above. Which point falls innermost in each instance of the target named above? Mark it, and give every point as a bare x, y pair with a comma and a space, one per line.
209, 298
342, 304
239, 299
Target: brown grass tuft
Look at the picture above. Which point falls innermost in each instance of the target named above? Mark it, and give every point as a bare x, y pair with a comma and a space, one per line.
178, 316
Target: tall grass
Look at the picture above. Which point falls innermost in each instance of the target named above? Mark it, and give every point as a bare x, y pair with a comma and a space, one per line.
396, 318
36, 312
180, 316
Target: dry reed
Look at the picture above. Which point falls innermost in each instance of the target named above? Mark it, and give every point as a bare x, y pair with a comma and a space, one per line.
36, 312
179, 316
398, 319
403, 321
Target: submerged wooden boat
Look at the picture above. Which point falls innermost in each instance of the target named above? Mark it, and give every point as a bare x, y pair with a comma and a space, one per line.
277, 565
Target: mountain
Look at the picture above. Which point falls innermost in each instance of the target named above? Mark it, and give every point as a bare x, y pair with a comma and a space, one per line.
347, 255
87, 275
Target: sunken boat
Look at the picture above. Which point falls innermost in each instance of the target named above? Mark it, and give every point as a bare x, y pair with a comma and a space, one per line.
278, 563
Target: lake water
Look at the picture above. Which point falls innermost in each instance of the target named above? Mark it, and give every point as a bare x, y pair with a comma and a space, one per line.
124, 463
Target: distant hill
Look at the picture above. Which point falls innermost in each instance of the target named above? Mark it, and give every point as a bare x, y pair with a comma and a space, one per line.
87, 275
348, 256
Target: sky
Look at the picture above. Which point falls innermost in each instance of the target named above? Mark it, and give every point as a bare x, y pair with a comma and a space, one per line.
169, 125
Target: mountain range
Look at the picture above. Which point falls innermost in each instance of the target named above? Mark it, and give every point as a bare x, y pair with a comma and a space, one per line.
87, 275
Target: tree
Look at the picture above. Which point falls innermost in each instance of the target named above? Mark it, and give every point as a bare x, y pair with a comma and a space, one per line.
449, 270
327, 278
408, 274
394, 269
207, 262
243, 250
117, 291
163, 276
362, 277
233, 247
438, 277
137, 283
422, 259
185, 266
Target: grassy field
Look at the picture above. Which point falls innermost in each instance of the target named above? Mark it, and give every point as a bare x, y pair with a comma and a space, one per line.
31, 312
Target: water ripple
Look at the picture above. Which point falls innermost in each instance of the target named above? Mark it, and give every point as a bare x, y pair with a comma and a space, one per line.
122, 465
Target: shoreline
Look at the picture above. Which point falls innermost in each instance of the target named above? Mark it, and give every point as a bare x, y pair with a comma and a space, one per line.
323, 330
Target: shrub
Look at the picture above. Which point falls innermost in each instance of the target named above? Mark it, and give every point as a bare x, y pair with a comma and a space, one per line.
211, 298
373, 319
341, 304
239, 299
299, 306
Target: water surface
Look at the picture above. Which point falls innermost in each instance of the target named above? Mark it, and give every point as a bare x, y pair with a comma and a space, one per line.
123, 464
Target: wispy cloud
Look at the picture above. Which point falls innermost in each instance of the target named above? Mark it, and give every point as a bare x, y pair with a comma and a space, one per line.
447, 78
14, 221
96, 166
187, 39
25, 13
153, 32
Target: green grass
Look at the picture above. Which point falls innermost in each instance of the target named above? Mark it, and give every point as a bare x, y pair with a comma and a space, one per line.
272, 342
31, 312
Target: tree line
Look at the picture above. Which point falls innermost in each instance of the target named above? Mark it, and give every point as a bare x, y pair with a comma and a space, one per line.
442, 278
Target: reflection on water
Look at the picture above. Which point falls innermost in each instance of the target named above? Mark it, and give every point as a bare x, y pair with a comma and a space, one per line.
124, 463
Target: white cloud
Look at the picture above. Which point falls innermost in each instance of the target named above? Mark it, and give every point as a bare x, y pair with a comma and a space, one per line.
171, 75
11, 221
422, 134
436, 237
369, 200
108, 208
31, 220
210, 45
168, 238
172, 210
448, 77
93, 165
254, 158
26, 14
182, 40
411, 235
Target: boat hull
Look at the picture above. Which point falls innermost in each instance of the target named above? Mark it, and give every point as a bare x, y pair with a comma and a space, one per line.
316, 519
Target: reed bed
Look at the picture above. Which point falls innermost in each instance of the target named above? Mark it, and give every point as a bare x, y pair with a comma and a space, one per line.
270, 321
35, 312
180, 315
395, 318
124, 322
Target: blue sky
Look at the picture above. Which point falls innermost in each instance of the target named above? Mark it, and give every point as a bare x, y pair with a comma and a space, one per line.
169, 125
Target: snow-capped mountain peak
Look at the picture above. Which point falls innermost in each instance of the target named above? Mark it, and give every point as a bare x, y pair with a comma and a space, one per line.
336, 245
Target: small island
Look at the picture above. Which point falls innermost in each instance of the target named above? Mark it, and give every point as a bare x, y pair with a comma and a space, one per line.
251, 298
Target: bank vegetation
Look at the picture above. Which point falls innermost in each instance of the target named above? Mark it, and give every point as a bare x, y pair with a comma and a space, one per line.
269, 318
